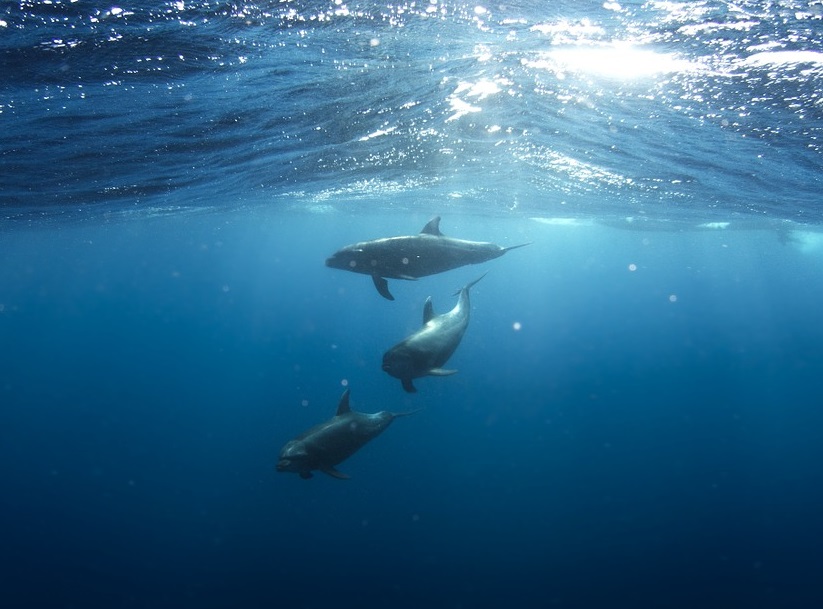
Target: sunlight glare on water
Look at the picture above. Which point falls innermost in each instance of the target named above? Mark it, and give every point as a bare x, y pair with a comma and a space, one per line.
620, 61
612, 107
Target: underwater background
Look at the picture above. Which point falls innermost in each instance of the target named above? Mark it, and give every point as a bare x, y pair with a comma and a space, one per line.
636, 421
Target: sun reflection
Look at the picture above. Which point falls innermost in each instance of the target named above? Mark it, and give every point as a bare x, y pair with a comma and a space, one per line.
617, 61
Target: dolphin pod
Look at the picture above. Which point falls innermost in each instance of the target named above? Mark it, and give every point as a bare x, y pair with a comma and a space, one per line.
413, 256
422, 353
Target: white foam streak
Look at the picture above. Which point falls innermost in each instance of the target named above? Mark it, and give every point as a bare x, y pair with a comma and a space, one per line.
784, 58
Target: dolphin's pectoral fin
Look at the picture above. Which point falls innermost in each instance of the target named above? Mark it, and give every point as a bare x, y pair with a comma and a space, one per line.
440, 372
305, 475
334, 473
382, 286
408, 386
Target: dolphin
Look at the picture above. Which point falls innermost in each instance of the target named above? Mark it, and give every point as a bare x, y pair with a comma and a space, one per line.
413, 256
426, 350
327, 444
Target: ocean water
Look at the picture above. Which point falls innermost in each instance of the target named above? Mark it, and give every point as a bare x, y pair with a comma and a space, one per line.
636, 418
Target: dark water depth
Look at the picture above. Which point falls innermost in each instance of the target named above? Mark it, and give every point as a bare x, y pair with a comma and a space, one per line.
646, 438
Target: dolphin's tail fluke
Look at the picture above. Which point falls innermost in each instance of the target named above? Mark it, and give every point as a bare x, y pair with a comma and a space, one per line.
468, 286
514, 247
407, 413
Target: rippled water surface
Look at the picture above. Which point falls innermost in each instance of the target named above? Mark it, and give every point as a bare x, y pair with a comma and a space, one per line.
700, 109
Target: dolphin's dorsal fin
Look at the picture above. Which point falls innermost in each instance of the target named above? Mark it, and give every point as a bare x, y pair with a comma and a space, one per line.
433, 227
343, 407
428, 311
334, 473
382, 286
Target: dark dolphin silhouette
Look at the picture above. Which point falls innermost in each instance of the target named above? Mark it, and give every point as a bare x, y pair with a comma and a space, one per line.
427, 350
412, 256
327, 444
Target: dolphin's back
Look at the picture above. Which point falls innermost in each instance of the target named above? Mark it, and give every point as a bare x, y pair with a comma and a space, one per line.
422, 255
343, 435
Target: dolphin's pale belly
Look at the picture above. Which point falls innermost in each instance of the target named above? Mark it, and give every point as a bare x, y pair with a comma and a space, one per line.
437, 341
433, 345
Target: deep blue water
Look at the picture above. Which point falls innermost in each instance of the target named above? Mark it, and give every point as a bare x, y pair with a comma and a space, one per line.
636, 421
